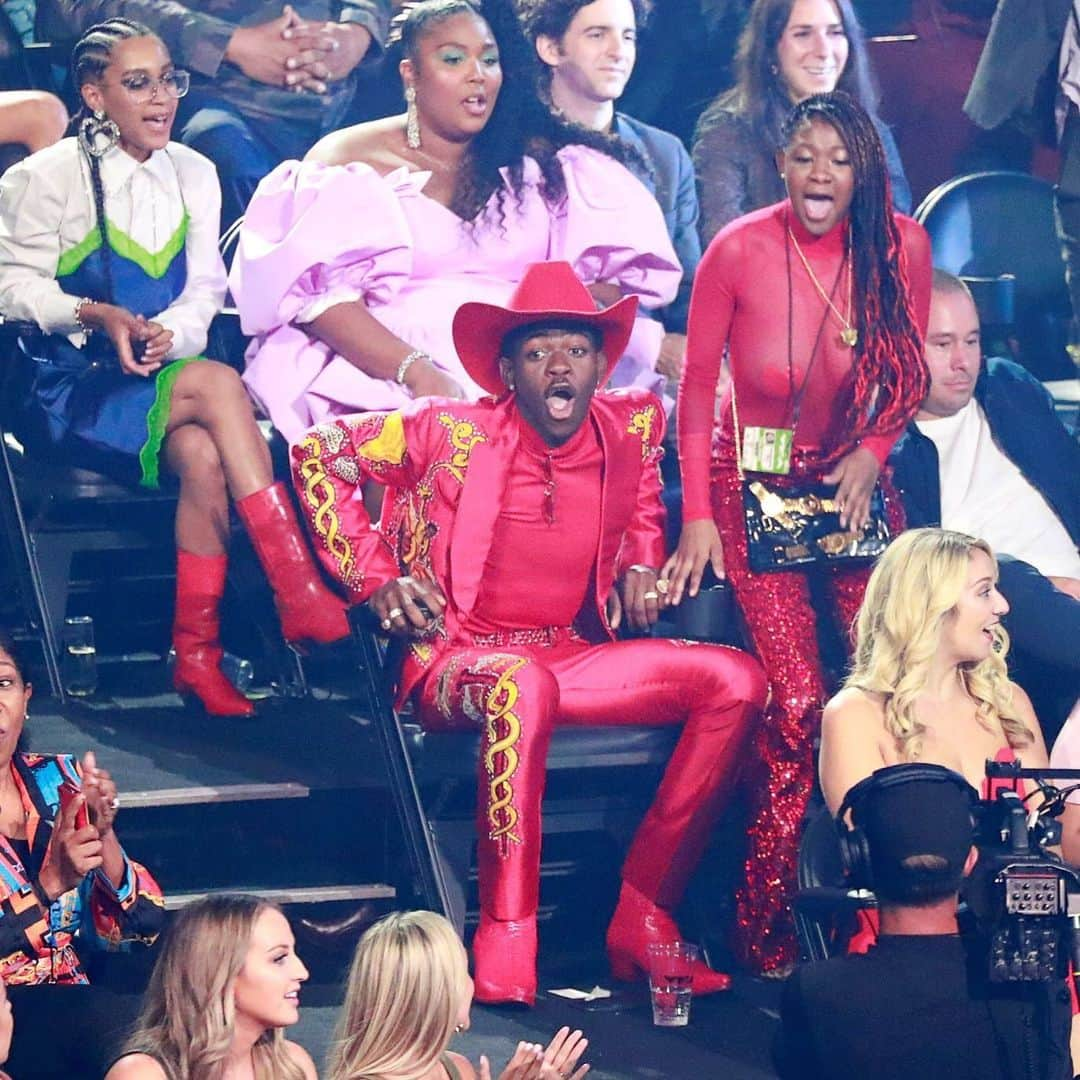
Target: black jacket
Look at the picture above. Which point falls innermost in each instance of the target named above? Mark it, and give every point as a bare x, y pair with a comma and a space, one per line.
1022, 419
919, 1007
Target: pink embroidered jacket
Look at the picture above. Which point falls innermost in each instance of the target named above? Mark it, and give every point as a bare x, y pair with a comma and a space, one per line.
447, 464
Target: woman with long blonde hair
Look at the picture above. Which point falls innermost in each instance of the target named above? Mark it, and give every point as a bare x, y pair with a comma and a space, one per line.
226, 985
928, 681
408, 992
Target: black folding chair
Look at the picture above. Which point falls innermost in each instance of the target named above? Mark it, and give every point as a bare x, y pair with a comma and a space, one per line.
825, 906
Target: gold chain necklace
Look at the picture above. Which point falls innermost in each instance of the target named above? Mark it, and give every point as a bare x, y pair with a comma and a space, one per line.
849, 335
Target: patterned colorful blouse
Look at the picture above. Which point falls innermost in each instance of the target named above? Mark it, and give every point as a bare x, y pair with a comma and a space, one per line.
38, 942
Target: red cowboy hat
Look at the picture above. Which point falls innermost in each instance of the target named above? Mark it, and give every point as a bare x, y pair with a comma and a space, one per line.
549, 293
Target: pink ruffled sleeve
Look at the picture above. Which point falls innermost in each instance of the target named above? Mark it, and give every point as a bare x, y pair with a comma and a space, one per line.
319, 235
611, 228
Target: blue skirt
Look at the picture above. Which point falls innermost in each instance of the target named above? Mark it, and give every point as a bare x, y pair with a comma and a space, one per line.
89, 412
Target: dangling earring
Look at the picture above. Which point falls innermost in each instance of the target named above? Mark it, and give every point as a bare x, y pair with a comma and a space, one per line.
774, 68
98, 134
412, 119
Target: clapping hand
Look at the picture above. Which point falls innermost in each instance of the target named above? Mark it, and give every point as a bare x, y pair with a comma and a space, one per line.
102, 799
559, 1061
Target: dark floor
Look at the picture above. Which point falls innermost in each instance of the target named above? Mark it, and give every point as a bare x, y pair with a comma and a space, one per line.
192, 814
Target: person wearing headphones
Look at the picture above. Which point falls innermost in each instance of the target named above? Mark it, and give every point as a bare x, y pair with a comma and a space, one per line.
919, 1002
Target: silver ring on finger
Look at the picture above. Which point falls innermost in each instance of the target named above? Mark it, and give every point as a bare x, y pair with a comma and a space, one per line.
394, 613
651, 595
386, 624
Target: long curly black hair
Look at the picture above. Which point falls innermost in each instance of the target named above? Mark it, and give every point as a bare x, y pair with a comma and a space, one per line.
521, 124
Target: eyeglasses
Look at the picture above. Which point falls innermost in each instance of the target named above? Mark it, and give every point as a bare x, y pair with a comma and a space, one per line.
142, 88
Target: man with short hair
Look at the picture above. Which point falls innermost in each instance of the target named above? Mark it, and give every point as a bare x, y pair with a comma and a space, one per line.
987, 455
919, 1003
269, 79
522, 527
588, 48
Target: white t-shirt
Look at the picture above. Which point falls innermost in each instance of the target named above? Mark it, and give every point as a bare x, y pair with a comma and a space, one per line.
984, 494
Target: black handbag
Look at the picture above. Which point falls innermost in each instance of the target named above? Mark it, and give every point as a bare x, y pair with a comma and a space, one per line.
789, 525
799, 525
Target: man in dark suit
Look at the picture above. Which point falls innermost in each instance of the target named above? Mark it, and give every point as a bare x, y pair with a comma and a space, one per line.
1025, 73
588, 48
918, 1004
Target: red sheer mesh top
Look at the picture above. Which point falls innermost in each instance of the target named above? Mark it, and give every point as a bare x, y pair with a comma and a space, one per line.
740, 300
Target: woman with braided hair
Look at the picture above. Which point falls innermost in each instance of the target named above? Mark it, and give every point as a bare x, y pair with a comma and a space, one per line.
108, 245
820, 301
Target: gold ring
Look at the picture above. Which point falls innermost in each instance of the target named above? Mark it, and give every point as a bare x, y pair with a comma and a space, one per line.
662, 585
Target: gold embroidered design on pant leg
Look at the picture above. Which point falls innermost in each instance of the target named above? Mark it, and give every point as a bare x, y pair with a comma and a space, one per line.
503, 729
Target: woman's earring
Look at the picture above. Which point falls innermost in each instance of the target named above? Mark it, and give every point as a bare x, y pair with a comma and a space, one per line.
774, 68
412, 119
98, 134
459, 1028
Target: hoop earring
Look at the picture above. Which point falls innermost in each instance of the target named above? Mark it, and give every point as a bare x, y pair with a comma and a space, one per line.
98, 134
412, 119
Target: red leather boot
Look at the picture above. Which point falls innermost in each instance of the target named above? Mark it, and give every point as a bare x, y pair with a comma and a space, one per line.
200, 585
504, 955
308, 610
639, 923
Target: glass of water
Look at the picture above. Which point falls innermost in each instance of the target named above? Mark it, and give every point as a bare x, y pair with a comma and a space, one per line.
79, 667
671, 982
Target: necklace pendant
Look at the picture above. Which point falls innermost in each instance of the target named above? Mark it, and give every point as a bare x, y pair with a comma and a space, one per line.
849, 336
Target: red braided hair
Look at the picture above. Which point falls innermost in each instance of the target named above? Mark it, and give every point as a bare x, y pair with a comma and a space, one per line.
891, 377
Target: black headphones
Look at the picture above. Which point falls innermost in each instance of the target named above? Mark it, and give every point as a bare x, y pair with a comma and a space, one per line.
854, 848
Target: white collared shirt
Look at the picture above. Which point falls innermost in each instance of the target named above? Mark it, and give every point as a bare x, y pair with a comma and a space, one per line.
47, 209
984, 494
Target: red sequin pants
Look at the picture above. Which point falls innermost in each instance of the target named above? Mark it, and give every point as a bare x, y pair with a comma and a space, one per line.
516, 694
782, 626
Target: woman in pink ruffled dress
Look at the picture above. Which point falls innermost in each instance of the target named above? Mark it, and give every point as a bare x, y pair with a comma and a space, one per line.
351, 264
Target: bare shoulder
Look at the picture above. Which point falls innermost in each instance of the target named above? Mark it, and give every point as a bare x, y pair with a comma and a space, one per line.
1036, 754
853, 707
136, 1067
464, 1066
369, 143
302, 1058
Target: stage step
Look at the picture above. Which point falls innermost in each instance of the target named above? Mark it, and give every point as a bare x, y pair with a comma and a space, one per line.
311, 894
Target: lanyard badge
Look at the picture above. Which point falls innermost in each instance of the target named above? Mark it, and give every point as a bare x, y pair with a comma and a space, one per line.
766, 449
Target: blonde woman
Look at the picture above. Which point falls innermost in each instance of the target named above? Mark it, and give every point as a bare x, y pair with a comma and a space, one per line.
409, 991
226, 985
928, 681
